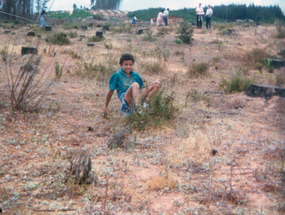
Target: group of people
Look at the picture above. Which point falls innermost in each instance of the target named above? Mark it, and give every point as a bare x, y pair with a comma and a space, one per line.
162, 18
200, 14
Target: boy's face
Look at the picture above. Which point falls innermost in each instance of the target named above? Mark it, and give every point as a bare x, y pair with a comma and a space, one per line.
127, 66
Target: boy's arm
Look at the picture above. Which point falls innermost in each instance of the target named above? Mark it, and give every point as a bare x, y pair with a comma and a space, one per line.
108, 98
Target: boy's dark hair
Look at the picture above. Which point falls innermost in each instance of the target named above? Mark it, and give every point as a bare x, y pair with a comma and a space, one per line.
43, 12
126, 57
133, 14
161, 10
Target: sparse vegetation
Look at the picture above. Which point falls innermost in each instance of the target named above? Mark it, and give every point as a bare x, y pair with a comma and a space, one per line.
280, 79
236, 83
4, 53
280, 28
95, 39
73, 34
148, 36
59, 39
186, 32
153, 67
197, 70
122, 29
159, 112
58, 70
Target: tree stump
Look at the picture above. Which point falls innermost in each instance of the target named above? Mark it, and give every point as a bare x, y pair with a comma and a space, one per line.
80, 169
84, 27
117, 139
48, 28
275, 63
7, 32
105, 28
29, 50
99, 34
140, 31
31, 34
90, 44
267, 91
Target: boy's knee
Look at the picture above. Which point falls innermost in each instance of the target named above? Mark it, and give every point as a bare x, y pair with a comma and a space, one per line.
157, 83
135, 85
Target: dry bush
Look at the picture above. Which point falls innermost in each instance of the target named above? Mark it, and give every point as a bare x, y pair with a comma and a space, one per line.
161, 182
27, 86
235, 83
153, 67
254, 59
280, 79
198, 70
280, 30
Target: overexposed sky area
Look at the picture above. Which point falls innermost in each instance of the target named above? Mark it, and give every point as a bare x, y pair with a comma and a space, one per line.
132, 5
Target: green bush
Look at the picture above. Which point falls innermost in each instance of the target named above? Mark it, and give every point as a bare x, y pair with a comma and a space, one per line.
236, 83
159, 112
73, 34
255, 58
198, 69
58, 70
58, 39
178, 41
148, 36
186, 32
98, 17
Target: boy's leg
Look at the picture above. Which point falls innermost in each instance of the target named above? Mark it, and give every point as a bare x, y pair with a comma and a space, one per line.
133, 94
150, 91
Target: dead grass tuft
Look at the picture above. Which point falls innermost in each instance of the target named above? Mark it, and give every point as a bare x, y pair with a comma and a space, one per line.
161, 182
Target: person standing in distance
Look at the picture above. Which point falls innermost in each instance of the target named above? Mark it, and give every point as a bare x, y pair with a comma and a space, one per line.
165, 16
134, 21
200, 13
209, 14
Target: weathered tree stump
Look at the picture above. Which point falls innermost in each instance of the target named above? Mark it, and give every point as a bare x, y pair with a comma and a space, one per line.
7, 32
90, 44
99, 34
275, 63
29, 50
267, 91
140, 31
105, 28
31, 34
82, 36
48, 28
117, 139
80, 169
83, 27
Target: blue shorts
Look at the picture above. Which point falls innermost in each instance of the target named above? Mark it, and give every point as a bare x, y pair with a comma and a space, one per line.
125, 109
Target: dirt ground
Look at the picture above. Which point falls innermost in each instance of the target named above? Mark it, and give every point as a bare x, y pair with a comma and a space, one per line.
173, 170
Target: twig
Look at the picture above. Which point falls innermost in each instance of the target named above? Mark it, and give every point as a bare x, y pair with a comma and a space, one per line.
52, 210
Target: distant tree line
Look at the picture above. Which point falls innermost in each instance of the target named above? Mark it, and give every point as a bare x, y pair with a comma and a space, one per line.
105, 4
17, 7
230, 13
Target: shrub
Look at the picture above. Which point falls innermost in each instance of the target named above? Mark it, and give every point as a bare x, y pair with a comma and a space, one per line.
179, 53
163, 30
178, 41
236, 83
280, 29
98, 17
255, 58
198, 96
280, 79
72, 26
198, 69
160, 110
28, 86
98, 71
186, 32
216, 59
153, 67
58, 70
4, 53
95, 39
148, 36
59, 39
124, 28
165, 54
73, 34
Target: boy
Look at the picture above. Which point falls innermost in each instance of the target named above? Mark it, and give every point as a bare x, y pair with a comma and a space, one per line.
128, 84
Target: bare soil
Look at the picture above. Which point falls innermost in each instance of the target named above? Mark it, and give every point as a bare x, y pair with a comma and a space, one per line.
173, 169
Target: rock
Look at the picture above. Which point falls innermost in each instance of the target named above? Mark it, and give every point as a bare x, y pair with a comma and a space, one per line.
214, 152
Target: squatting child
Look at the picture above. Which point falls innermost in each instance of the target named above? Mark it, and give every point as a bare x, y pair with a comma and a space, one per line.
129, 86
